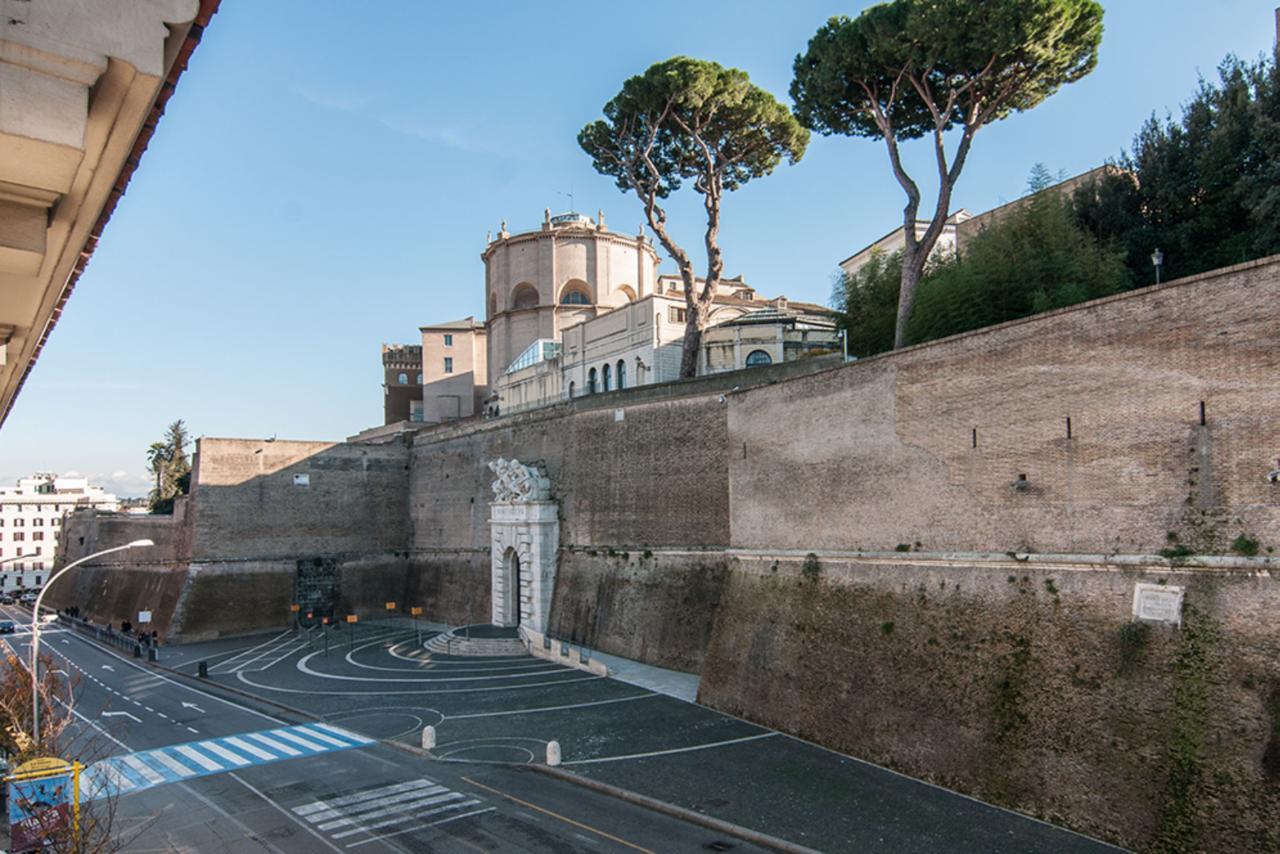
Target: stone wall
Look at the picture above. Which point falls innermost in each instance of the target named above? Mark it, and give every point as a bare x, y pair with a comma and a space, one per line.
116, 586
647, 605
257, 499
923, 446
1024, 683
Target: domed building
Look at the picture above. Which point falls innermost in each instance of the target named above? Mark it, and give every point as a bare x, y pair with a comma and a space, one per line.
572, 269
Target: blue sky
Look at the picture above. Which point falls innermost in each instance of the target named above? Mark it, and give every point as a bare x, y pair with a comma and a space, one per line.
325, 175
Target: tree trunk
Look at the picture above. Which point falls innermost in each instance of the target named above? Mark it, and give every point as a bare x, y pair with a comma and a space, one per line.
912, 270
695, 320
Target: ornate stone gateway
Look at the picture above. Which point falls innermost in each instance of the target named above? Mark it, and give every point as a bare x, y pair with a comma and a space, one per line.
524, 536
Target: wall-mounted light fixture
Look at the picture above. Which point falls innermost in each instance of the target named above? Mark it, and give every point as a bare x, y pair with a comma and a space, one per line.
1274, 476
1021, 484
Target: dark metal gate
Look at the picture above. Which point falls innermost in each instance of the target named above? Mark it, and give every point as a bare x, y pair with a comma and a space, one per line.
316, 586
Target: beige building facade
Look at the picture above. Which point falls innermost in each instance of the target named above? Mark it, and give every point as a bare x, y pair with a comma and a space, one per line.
780, 332
538, 283
455, 374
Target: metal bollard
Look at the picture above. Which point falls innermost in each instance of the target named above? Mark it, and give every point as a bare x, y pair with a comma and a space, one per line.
137, 650
202, 670
553, 753
151, 654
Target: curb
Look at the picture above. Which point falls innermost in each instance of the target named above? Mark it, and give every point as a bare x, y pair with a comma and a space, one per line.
692, 816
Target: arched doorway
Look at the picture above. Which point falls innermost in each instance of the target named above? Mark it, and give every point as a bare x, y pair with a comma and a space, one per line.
511, 587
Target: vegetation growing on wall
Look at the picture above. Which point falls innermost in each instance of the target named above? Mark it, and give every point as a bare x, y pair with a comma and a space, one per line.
1193, 678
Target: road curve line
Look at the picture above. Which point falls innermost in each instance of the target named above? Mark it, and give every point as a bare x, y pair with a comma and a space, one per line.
375, 692
755, 737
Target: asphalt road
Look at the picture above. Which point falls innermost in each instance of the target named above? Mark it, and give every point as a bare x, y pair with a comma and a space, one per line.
347, 798
379, 681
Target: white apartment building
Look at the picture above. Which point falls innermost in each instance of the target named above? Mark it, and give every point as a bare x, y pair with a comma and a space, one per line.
31, 515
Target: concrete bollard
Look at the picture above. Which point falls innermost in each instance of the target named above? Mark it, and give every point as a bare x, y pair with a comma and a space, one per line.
428, 738
553, 753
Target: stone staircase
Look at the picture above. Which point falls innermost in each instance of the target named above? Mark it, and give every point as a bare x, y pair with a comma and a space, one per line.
483, 641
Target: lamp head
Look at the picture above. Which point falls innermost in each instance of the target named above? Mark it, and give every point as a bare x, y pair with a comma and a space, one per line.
140, 544
1157, 258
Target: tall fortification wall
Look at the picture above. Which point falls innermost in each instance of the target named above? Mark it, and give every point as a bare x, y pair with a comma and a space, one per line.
924, 446
843, 553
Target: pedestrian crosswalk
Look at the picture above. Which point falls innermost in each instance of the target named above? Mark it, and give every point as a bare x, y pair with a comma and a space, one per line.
132, 772
377, 813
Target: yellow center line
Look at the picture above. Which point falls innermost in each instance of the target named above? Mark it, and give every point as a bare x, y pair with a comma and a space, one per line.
565, 819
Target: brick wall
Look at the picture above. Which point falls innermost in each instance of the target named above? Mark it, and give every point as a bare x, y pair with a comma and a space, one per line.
882, 452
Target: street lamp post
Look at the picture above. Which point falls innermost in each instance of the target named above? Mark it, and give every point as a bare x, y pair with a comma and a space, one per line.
35, 629
1157, 261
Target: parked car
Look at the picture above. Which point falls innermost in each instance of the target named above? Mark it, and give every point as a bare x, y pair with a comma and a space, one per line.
6, 599
6, 627
28, 598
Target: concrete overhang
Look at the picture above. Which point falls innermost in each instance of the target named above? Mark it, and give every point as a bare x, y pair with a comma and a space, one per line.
82, 85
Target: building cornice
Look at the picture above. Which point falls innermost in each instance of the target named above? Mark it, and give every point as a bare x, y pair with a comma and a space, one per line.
567, 233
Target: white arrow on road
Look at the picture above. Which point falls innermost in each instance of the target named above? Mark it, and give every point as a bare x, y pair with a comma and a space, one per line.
194, 706
108, 667
116, 714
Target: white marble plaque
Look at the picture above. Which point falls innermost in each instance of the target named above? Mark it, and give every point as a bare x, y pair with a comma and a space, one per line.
1157, 603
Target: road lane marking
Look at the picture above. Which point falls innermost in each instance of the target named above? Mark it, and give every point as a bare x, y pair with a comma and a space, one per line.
565, 819
285, 813
689, 749
430, 824
644, 696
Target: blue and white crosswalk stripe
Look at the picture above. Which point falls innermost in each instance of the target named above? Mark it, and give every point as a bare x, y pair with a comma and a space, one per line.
132, 772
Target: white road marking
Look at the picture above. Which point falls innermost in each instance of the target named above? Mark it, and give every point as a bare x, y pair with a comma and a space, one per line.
142, 769
428, 824
241, 744
673, 750
193, 729
198, 758
416, 794
118, 714
277, 746
285, 812
368, 794
219, 750
345, 737
382, 693
285, 734
553, 708
169, 762
398, 811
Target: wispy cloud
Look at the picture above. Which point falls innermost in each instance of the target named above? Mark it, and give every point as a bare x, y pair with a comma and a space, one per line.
345, 101
450, 137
